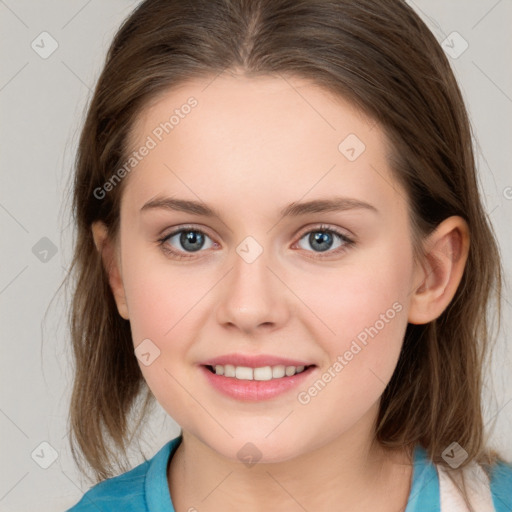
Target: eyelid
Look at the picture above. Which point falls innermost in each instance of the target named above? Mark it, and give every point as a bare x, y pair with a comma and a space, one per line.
184, 227
344, 233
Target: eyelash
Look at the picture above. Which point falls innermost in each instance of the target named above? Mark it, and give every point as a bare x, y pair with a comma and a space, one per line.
347, 242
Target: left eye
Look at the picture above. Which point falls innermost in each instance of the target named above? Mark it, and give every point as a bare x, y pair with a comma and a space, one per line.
322, 239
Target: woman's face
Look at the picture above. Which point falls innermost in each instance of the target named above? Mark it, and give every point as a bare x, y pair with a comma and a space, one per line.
259, 278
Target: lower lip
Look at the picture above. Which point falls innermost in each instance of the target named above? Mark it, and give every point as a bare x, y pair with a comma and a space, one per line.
255, 390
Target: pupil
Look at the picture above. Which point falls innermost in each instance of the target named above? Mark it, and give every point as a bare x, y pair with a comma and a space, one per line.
191, 237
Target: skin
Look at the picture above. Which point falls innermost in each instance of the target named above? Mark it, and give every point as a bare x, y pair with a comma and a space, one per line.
251, 147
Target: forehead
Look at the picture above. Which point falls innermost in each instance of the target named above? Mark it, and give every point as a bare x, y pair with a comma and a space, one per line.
258, 138
272, 101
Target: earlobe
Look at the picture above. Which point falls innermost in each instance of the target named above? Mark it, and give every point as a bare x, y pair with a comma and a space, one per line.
111, 263
439, 274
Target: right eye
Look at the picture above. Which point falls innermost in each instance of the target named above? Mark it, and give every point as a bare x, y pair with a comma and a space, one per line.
190, 239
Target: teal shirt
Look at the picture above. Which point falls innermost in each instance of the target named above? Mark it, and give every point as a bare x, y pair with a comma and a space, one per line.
145, 489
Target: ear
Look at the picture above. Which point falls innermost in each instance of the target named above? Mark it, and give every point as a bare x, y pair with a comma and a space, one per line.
437, 277
112, 264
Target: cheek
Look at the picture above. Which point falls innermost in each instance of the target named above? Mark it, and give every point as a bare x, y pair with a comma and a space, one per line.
363, 312
368, 316
161, 308
354, 297
165, 307
160, 295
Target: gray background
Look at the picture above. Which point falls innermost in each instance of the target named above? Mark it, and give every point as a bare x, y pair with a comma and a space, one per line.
42, 102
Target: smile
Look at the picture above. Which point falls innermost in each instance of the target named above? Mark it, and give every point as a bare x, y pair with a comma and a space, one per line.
261, 373
244, 383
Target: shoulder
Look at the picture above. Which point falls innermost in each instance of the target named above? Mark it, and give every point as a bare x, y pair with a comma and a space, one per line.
501, 486
126, 492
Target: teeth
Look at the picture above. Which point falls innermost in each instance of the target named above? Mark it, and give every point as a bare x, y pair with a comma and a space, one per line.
261, 373
243, 373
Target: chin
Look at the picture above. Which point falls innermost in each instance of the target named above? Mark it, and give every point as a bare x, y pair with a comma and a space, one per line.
252, 447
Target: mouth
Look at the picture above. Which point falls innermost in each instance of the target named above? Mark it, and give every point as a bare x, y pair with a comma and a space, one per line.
255, 384
262, 373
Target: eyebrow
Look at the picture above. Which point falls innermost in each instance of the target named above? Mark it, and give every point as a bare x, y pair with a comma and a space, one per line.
292, 210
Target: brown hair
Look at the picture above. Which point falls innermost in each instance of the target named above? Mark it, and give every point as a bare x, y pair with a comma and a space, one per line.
379, 55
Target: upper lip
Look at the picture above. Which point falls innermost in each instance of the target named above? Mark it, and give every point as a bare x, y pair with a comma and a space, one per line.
254, 361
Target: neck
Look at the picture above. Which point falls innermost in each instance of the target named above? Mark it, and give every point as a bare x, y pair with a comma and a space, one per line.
352, 472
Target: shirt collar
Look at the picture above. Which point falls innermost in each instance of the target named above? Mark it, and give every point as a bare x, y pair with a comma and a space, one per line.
424, 493
156, 486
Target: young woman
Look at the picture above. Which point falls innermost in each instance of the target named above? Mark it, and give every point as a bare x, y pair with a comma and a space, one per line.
281, 240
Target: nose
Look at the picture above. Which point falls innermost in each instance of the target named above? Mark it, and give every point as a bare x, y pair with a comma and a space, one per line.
253, 297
